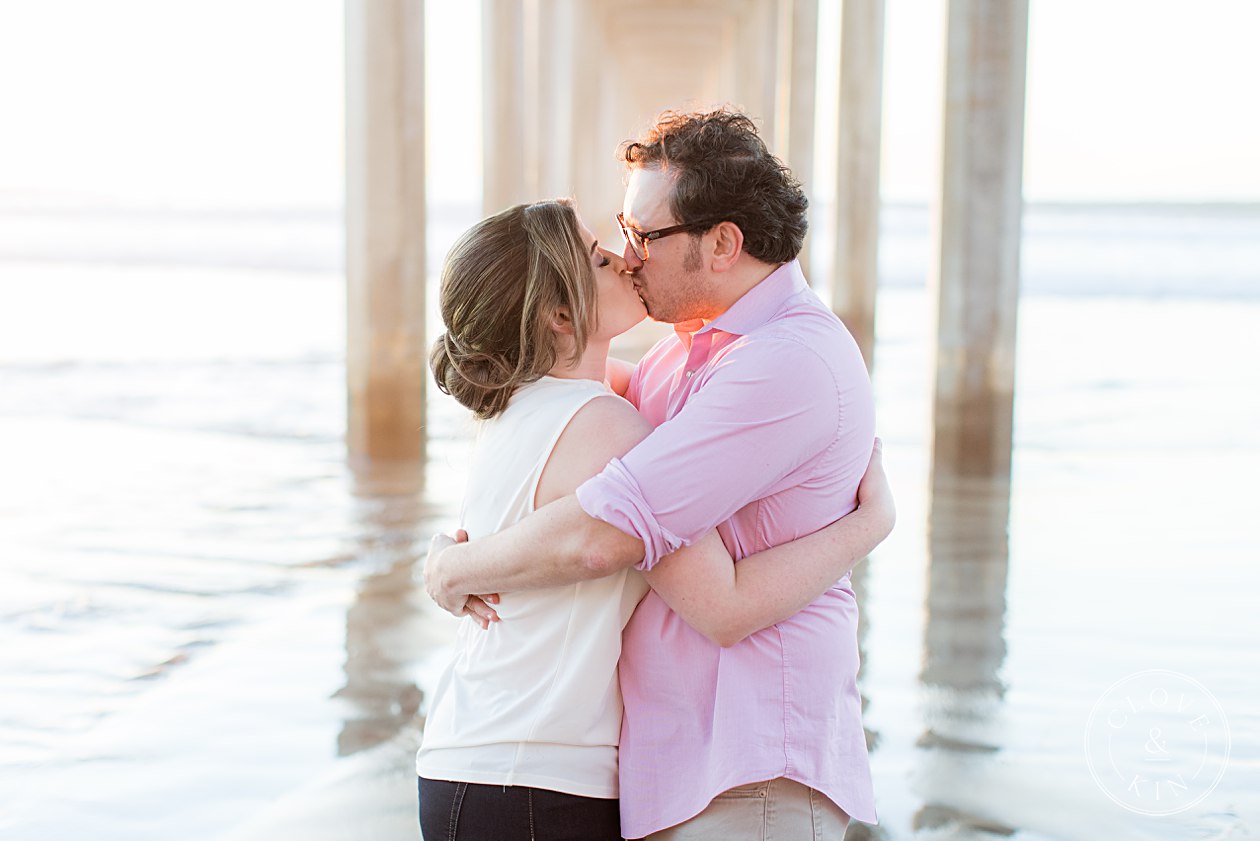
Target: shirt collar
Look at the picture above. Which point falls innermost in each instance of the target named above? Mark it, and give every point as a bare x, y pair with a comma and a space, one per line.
761, 302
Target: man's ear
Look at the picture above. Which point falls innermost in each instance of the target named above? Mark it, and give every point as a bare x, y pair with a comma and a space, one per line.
728, 244
562, 321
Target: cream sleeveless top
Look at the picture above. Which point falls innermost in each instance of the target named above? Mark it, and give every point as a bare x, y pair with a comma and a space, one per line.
534, 700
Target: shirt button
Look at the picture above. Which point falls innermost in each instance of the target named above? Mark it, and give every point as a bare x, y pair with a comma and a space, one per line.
689, 373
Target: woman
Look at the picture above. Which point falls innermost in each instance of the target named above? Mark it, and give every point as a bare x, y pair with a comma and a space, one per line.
521, 736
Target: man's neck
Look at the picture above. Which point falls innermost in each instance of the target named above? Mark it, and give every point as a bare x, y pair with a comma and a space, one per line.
740, 280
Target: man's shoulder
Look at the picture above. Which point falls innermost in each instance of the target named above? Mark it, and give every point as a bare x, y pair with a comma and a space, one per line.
804, 330
805, 314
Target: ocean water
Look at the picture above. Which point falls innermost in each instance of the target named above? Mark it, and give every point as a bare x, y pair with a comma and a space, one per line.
211, 626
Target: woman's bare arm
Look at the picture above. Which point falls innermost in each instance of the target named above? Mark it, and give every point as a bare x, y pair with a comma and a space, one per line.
727, 601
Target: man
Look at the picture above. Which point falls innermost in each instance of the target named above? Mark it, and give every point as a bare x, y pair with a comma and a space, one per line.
764, 426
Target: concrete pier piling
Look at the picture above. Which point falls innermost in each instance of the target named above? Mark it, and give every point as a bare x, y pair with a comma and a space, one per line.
979, 231
386, 353
856, 274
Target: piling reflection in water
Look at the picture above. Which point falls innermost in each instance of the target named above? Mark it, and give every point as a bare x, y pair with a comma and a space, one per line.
964, 644
383, 634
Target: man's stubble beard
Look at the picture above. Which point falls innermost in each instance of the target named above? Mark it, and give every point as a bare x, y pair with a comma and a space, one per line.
691, 260
689, 304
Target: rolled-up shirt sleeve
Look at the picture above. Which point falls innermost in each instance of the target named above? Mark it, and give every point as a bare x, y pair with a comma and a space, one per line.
765, 408
614, 497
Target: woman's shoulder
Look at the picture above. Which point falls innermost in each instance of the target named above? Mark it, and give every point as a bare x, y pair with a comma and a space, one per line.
606, 427
612, 416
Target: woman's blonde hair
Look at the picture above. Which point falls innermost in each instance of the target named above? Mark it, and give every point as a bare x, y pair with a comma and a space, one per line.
502, 284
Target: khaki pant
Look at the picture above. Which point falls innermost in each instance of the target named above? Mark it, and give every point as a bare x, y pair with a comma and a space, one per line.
774, 810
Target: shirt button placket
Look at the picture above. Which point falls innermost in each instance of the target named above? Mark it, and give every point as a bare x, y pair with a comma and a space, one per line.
699, 354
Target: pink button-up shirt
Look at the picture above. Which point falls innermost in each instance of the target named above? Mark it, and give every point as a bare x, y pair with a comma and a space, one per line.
764, 426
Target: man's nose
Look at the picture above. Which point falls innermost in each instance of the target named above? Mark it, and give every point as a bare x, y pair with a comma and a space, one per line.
632, 260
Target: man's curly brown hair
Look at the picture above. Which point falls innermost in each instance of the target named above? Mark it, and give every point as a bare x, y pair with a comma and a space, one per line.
725, 173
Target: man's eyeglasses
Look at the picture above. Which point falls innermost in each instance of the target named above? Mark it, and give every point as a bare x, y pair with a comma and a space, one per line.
639, 239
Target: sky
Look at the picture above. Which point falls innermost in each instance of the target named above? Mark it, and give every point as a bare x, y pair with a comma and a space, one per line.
238, 103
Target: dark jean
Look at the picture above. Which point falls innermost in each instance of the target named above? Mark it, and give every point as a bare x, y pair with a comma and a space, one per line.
473, 812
